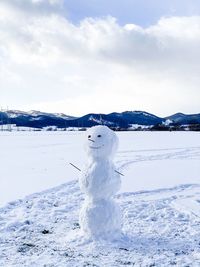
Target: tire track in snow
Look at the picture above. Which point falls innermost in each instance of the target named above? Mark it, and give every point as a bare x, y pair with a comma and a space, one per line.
187, 201
126, 158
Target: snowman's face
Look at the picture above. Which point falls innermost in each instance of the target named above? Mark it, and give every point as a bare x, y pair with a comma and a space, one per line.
101, 142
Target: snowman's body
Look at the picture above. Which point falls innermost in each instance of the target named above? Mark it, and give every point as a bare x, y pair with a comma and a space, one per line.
99, 180
100, 216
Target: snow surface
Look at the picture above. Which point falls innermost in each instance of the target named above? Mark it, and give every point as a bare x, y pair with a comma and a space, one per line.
160, 201
35, 161
161, 229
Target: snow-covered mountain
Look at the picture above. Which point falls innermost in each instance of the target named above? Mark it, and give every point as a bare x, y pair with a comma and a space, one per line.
123, 120
181, 119
35, 113
34, 118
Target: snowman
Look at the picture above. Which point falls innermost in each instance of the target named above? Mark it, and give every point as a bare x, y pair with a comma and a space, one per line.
100, 216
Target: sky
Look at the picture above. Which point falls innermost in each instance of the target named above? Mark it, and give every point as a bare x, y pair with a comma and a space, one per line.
83, 56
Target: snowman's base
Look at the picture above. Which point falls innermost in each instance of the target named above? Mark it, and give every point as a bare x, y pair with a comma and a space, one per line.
101, 219
79, 238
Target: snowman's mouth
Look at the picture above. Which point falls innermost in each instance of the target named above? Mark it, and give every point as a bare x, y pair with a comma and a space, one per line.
96, 147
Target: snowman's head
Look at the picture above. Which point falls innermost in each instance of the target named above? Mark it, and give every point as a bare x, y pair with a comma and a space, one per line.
102, 142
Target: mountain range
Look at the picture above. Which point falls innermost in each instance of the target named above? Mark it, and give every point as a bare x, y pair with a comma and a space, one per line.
123, 120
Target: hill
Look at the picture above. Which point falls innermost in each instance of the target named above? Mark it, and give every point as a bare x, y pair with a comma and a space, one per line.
124, 120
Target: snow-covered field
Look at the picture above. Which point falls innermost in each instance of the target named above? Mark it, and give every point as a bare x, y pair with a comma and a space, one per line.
35, 161
160, 200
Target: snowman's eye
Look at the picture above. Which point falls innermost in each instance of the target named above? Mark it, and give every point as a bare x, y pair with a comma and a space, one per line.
89, 136
99, 135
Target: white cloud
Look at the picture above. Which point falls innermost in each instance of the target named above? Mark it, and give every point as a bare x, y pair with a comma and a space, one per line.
48, 63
